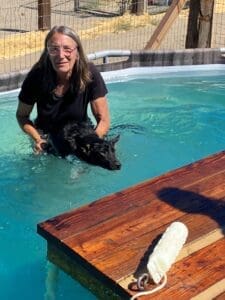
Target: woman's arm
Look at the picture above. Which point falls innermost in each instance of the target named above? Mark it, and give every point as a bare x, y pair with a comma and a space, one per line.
100, 111
23, 117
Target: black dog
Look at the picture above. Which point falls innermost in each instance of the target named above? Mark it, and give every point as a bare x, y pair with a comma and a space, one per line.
81, 140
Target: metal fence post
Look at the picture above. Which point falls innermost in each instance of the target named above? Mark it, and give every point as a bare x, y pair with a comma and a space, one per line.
44, 14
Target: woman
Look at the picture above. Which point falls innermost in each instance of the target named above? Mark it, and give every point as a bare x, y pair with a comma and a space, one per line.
61, 84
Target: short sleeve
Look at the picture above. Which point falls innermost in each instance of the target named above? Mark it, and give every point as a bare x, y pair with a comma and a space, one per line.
30, 89
97, 86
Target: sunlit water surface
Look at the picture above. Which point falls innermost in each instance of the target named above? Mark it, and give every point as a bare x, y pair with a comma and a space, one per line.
163, 123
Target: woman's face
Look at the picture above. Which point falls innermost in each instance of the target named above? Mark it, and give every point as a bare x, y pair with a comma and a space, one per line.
63, 53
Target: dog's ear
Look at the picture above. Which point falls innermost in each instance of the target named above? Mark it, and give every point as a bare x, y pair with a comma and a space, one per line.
115, 139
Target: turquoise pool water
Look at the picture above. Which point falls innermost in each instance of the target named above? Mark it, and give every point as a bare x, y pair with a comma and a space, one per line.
164, 120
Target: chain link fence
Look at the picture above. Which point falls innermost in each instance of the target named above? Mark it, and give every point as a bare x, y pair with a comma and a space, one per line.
101, 24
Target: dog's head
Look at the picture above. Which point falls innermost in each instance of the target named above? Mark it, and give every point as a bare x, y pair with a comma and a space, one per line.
98, 151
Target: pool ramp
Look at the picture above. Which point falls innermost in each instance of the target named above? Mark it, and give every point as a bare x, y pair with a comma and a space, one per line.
105, 245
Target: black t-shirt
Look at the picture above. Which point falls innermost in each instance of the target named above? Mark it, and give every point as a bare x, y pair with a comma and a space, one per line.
54, 112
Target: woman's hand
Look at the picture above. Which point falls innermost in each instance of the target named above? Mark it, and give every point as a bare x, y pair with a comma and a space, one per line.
38, 146
23, 117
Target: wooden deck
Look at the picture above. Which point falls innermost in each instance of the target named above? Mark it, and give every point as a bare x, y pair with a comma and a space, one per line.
105, 245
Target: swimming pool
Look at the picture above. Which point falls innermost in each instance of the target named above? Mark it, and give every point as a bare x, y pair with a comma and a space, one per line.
164, 120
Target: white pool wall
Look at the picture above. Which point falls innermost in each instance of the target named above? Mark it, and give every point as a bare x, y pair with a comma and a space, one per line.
155, 72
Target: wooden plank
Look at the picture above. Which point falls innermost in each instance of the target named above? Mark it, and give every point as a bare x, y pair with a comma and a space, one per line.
212, 292
165, 24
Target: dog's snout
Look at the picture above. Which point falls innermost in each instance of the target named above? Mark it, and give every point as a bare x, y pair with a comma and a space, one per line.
116, 166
